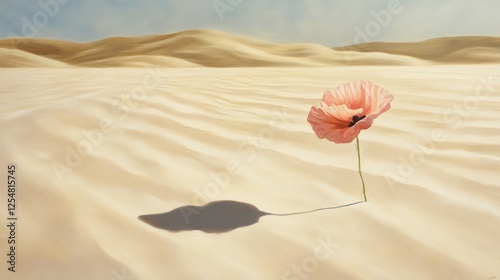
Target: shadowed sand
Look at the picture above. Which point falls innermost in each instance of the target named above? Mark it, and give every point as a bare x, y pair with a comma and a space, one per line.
212, 48
215, 217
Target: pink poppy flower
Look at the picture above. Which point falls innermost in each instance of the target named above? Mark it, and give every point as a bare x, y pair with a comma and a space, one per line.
347, 109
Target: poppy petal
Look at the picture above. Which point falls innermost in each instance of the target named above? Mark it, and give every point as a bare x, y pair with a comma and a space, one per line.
347, 109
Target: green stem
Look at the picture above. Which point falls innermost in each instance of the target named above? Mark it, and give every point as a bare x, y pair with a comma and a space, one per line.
359, 168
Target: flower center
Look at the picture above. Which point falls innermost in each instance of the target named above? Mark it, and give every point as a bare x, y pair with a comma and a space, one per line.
355, 119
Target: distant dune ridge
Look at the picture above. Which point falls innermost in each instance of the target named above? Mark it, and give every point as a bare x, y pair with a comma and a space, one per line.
471, 49
211, 48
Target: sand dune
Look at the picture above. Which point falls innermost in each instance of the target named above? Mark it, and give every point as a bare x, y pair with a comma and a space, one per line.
18, 58
211, 48
466, 49
96, 148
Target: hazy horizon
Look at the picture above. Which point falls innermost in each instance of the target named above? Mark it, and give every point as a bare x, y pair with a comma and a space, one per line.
329, 23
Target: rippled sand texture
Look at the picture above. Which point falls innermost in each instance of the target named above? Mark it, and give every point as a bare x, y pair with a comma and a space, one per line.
96, 148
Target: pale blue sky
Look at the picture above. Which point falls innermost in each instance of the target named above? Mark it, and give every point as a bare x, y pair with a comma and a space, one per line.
326, 22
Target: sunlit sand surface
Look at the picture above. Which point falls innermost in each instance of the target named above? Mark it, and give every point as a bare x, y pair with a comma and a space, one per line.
99, 150
96, 148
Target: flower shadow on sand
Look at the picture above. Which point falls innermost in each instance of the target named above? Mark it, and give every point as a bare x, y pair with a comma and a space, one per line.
215, 217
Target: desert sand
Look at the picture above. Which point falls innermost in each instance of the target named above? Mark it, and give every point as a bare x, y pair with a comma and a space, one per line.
97, 147
213, 48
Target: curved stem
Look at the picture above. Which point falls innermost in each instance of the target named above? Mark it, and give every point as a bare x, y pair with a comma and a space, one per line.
359, 168
315, 210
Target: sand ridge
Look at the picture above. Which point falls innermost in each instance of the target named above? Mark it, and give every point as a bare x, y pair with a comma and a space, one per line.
213, 48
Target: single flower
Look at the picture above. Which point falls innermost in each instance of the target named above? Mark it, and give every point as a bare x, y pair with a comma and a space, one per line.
347, 109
